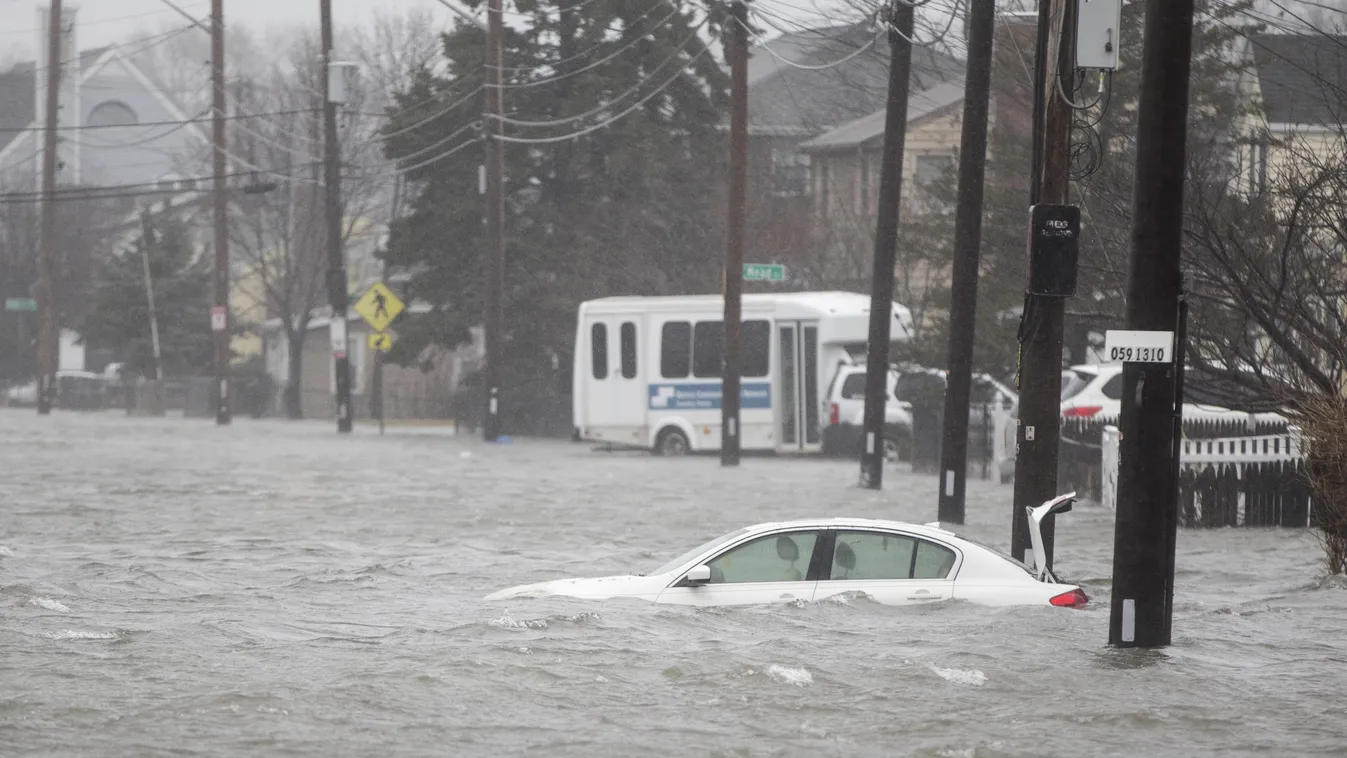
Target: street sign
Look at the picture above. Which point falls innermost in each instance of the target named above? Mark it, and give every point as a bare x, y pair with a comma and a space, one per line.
20, 304
1125, 346
218, 320
379, 306
380, 342
764, 272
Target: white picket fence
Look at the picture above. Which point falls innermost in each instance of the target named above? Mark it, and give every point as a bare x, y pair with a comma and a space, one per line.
1200, 454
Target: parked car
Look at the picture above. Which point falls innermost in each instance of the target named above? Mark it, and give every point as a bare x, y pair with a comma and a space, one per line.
894, 563
69, 382
1095, 391
846, 414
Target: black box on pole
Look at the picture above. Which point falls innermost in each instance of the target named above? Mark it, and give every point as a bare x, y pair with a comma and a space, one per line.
1054, 247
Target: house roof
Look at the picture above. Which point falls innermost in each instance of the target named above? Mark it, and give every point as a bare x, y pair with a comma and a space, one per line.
790, 101
18, 91
865, 129
1303, 77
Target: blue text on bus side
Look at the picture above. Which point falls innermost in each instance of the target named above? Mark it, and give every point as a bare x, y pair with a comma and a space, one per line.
704, 397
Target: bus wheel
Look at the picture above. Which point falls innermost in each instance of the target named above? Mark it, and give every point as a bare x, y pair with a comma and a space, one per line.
671, 441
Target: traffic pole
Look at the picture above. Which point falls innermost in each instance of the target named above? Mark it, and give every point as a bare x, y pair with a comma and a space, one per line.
734, 248
220, 316
1141, 611
1041, 325
967, 244
493, 262
336, 264
46, 294
899, 20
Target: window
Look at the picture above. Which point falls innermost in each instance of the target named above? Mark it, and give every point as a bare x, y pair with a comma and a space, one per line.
1113, 388
708, 340
823, 188
930, 170
854, 387
865, 185
112, 113
628, 336
790, 172
933, 561
861, 556
755, 341
675, 355
598, 348
774, 558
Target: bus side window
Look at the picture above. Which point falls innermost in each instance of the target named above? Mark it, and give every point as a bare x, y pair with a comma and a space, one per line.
756, 337
628, 335
598, 346
708, 339
675, 355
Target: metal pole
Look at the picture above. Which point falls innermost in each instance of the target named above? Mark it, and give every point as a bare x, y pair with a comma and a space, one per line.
149, 294
223, 414
46, 295
967, 244
336, 264
493, 262
899, 16
1141, 610
734, 248
1040, 379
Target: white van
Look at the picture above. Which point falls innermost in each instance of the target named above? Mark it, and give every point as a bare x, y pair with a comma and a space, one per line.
647, 369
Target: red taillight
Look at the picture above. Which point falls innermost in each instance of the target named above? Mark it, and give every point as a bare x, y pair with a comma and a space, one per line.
834, 414
1083, 411
1072, 599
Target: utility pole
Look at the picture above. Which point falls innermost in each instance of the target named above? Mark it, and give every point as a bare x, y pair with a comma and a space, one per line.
145, 233
1141, 613
220, 313
46, 295
967, 249
336, 264
898, 16
1040, 374
734, 248
493, 262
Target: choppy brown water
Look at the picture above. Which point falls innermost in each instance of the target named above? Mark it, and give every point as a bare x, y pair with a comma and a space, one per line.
170, 588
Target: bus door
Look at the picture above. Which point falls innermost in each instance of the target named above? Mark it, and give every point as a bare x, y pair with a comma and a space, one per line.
616, 393
797, 415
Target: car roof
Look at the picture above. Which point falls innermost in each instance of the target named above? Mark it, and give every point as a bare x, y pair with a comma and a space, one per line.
845, 521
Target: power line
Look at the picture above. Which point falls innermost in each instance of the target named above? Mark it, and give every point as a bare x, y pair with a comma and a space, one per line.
143, 124
592, 65
96, 22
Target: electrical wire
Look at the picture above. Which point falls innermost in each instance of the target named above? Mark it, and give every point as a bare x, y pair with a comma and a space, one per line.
130, 189
809, 67
412, 127
592, 65
586, 53
134, 143
418, 166
95, 22
681, 49
175, 122
614, 119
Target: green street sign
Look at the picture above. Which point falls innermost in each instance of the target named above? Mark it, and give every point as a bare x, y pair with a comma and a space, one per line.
764, 272
20, 304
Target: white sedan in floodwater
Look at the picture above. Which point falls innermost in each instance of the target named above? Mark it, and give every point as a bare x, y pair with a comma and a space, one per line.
894, 563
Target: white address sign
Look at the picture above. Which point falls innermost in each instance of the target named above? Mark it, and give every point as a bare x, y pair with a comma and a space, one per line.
1127, 346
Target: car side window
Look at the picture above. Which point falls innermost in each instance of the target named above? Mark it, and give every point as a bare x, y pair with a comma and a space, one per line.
872, 555
933, 561
773, 558
861, 556
1113, 388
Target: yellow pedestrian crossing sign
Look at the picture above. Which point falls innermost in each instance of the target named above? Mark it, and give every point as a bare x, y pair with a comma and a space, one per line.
380, 342
379, 306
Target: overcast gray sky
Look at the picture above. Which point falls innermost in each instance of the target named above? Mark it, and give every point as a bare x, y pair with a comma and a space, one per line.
103, 22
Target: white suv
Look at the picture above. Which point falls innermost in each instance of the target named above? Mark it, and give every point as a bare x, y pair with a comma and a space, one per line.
1095, 391
845, 411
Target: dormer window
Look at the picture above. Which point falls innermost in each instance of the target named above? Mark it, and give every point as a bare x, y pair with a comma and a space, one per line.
112, 113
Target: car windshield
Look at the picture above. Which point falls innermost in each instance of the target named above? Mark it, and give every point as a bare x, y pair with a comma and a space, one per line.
678, 562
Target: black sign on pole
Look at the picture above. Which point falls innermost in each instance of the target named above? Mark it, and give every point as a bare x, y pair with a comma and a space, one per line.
1054, 247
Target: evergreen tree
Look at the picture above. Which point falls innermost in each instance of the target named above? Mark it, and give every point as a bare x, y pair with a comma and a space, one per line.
119, 313
629, 207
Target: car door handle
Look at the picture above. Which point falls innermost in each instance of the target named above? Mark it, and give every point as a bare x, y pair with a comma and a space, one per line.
923, 595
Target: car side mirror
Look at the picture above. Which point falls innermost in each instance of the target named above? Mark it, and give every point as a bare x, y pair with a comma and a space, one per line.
697, 576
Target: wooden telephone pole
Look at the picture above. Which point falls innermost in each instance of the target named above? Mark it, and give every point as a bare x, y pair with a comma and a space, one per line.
1040, 380
46, 295
734, 248
220, 312
336, 263
899, 20
493, 262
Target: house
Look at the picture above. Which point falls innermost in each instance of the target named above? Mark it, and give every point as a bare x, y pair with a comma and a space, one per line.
795, 95
1301, 80
423, 391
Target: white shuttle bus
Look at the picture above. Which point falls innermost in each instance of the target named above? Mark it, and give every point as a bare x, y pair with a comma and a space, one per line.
647, 369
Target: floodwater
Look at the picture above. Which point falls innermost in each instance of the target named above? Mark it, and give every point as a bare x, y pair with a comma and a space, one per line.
172, 588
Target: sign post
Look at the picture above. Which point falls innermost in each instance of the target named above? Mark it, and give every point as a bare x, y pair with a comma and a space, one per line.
379, 306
